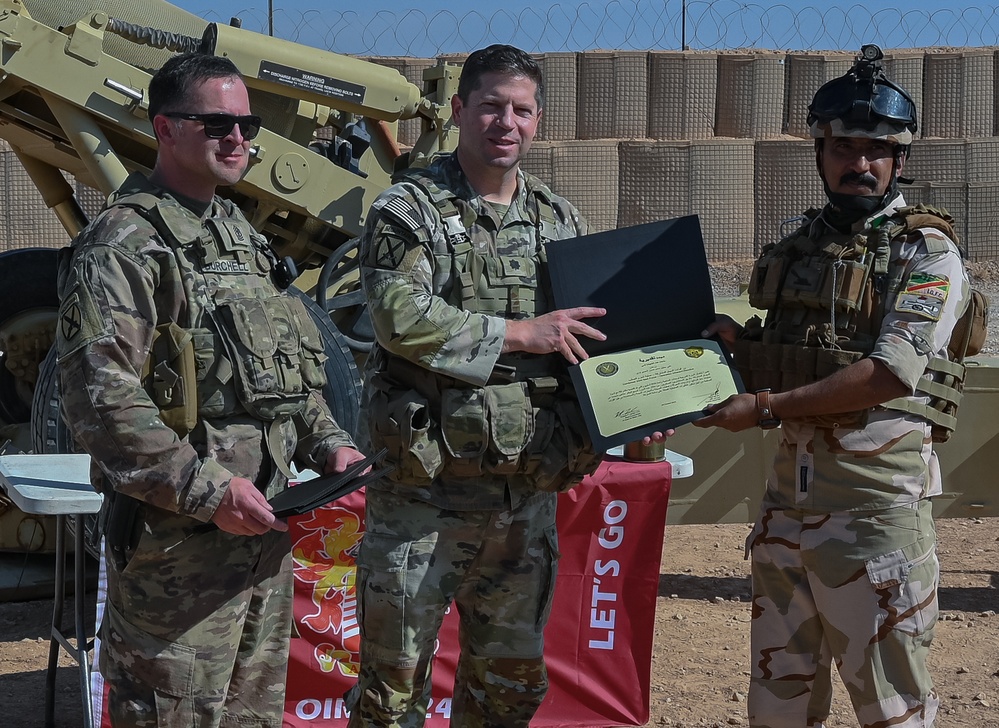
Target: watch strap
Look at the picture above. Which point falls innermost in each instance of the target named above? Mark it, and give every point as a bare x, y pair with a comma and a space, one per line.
765, 417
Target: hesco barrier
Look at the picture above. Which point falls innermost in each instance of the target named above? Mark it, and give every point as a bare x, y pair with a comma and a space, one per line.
634, 136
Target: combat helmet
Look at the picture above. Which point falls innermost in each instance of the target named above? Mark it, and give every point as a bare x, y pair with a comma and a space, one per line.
863, 103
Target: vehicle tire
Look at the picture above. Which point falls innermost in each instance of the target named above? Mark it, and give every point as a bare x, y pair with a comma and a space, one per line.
49, 434
343, 387
28, 281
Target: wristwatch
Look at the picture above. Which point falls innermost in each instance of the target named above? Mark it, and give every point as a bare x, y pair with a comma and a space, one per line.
765, 417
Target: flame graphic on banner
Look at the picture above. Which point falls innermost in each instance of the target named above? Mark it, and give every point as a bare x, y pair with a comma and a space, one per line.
324, 558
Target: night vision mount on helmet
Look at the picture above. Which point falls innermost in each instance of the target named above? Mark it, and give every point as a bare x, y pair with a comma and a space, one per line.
863, 102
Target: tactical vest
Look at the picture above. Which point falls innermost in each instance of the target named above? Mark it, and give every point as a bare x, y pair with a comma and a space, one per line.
525, 423
247, 346
825, 301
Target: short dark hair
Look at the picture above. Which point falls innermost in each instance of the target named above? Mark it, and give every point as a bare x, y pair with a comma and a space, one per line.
499, 58
172, 84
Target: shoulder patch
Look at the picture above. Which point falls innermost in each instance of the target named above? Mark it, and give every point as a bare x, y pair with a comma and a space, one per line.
924, 295
391, 250
81, 321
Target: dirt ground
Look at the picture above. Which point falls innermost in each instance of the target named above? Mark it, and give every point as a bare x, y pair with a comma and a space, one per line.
701, 656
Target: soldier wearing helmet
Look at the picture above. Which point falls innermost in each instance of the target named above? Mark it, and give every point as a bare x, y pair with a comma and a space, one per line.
861, 111
857, 364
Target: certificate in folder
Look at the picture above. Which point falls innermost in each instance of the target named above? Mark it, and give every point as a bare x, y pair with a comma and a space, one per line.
311, 494
654, 371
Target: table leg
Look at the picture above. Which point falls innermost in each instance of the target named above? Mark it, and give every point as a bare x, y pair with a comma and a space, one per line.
81, 650
60, 588
82, 645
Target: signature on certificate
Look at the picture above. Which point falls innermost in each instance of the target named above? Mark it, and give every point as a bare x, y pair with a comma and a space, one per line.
628, 414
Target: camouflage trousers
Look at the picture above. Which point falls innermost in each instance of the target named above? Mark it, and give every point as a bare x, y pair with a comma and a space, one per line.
196, 632
498, 567
857, 590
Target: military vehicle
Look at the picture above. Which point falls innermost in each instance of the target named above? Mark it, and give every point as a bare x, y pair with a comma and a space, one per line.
73, 101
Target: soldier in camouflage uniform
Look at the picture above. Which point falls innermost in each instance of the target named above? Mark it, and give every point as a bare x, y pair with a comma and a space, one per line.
191, 377
467, 389
852, 360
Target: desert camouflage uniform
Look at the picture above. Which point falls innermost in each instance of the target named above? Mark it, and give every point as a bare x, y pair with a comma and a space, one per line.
464, 519
198, 623
844, 552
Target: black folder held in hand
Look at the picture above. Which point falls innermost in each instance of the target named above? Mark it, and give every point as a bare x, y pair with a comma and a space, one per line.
311, 494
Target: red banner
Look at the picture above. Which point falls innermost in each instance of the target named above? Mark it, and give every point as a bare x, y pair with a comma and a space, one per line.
598, 643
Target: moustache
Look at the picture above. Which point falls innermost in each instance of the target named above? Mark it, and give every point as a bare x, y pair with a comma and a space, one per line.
864, 179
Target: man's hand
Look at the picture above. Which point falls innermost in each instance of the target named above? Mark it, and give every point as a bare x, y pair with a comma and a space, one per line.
725, 327
554, 332
338, 460
244, 511
735, 414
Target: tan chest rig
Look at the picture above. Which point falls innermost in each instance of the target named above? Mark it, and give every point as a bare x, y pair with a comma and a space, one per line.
825, 301
525, 422
247, 346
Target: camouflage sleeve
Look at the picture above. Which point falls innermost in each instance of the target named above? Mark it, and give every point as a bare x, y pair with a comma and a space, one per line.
318, 434
403, 280
106, 321
919, 321
572, 215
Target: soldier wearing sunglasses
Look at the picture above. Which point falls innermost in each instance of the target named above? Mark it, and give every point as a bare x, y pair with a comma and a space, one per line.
186, 422
856, 362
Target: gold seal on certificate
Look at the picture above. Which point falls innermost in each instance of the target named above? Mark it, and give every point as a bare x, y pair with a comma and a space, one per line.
654, 371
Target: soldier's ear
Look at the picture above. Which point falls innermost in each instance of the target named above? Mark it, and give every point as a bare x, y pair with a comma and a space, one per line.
163, 128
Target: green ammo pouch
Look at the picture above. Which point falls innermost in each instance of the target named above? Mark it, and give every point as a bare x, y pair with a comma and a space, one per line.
169, 376
402, 424
465, 428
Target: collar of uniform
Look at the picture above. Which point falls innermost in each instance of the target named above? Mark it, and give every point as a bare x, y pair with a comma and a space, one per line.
820, 226
458, 183
138, 182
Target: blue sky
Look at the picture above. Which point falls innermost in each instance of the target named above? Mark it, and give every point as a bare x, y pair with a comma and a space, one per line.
432, 27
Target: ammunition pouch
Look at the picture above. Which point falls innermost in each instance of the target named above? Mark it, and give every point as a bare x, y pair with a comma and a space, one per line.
816, 283
276, 352
782, 367
971, 329
520, 429
169, 376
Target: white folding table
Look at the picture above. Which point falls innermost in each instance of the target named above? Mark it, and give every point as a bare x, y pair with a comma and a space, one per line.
59, 485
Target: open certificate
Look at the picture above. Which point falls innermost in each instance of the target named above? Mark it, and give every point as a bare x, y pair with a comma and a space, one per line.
654, 384
654, 371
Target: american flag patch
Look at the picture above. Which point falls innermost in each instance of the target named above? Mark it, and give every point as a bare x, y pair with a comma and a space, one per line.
403, 213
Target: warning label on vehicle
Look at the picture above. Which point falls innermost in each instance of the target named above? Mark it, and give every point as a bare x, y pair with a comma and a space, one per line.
314, 82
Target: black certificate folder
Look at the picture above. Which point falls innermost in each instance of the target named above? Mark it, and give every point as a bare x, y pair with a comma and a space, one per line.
654, 371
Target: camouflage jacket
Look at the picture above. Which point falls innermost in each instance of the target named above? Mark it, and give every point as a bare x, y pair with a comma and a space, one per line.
420, 302
889, 460
123, 281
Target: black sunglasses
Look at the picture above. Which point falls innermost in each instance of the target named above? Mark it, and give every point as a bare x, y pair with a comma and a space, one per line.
219, 126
